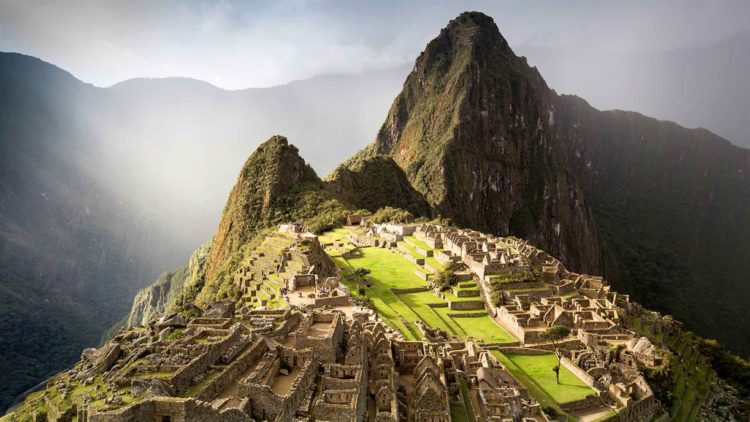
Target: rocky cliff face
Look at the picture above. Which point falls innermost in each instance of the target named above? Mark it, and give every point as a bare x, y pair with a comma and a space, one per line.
471, 129
674, 208
167, 289
662, 211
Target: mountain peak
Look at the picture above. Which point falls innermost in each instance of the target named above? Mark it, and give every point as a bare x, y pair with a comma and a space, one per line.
470, 29
473, 23
273, 172
471, 130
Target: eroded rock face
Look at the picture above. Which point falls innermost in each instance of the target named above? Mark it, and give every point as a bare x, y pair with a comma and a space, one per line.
173, 320
162, 293
472, 129
220, 309
100, 360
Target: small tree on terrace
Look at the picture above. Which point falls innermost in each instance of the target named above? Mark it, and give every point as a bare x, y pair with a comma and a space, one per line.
445, 279
554, 334
358, 276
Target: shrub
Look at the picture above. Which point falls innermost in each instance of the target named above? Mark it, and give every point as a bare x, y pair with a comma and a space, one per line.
391, 215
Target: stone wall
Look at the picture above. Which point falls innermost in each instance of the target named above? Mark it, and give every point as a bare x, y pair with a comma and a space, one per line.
217, 323
508, 321
422, 273
638, 410
464, 305
411, 290
177, 409
466, 292
464, 275
325, 348
579, 372
267, 405
344, 389
523, 351
289, 324
331, 301
183, 378
413, 259
467, 314
302, 280
588, 402
234, 370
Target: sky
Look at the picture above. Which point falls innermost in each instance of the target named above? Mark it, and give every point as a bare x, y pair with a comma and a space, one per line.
236, 45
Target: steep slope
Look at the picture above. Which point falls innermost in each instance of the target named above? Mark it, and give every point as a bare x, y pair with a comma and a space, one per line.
660, 210
275, 185
72, 253
167, 288
674, 207
376, 182
470, 129
272, 175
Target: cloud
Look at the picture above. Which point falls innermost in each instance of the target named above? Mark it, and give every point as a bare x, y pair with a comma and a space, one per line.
252, 44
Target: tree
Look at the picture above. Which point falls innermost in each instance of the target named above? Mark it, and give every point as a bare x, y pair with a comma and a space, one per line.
445, 279
358, 275
554, 334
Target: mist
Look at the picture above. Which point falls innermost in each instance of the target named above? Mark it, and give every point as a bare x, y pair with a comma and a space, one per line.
172, 147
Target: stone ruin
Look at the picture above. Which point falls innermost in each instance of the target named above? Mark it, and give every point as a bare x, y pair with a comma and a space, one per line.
237, 361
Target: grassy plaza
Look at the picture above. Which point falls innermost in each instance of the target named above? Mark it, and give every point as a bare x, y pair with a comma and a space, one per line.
535, 372
389, 270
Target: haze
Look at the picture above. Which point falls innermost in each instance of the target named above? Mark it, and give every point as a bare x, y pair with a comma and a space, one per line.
180, 143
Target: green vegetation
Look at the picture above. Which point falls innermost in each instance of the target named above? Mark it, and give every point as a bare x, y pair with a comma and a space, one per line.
535, 372
391, 215
481, 328
419, 243
389, 270
445, 279
683, 381
373, 183
386, 272
275, 186
465, 394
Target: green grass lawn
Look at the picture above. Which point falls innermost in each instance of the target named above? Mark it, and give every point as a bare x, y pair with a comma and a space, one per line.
389, 270
335, 235
411, 250
535, 372
480, 328
420, 243
434, 263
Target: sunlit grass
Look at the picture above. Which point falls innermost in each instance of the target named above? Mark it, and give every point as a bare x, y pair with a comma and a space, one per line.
535, 372
389, 270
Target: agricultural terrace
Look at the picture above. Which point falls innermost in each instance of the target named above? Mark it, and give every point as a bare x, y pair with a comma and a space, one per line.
390, 270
